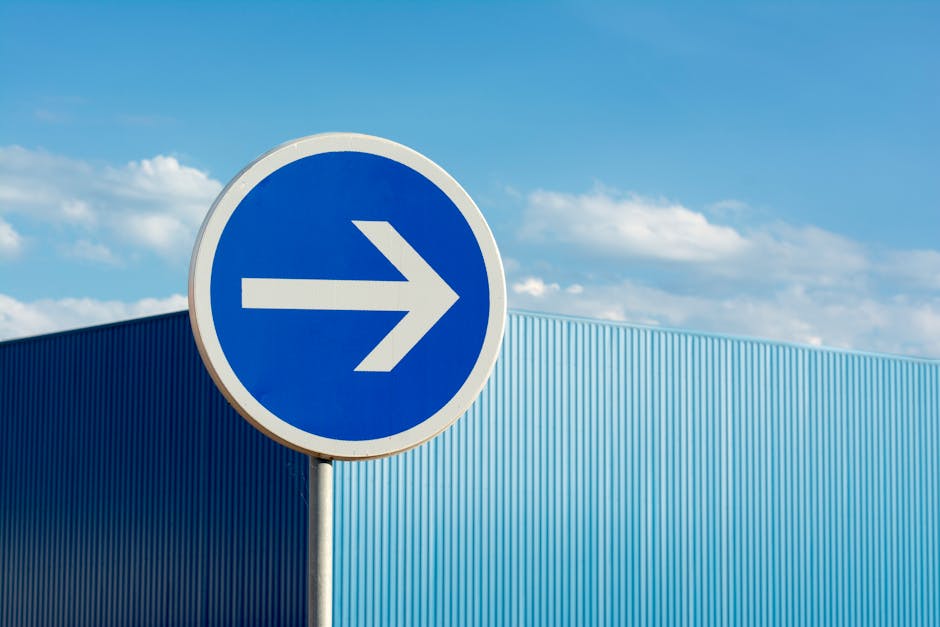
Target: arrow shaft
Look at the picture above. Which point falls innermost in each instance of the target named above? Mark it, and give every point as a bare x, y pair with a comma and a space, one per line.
423, 294
328, 295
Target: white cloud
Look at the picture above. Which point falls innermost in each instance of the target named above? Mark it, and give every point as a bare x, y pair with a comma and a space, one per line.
78, 212
153, 204
729, 206
165, 185
38, 182
774, 280
622, 227
158, 231
11, 242
630, 226
808, 254
838, 319
914, 268
534, 286
84, 249
21, 319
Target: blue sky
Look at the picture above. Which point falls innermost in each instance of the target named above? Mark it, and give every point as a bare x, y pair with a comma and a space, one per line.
765, 170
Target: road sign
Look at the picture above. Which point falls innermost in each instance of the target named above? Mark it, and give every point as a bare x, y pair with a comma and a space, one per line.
347, 296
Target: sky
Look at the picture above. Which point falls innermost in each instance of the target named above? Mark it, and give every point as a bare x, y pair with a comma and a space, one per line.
763, 170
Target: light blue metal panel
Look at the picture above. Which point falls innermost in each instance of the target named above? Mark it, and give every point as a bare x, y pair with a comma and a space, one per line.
618, 475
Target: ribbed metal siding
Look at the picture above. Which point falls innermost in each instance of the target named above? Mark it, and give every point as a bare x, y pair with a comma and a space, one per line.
608, 475
615, 475
131, 494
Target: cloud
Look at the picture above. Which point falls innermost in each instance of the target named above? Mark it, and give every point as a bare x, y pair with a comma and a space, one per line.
914, 268
838, 319
657, 262
729, 207
607, 224
161, 232
11, 242
534, 286
629, 226
90, 251
162, 183
807, 254
154, 205
78, 212
21, 319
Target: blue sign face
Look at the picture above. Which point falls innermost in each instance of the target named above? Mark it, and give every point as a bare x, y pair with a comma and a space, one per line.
347, 296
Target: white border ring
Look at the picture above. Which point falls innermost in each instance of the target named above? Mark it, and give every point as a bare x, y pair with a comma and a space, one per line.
200, 307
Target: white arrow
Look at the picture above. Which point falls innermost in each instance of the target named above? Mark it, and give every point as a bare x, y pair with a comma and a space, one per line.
423, 294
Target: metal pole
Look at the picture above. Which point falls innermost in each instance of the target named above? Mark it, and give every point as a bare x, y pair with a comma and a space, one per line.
320, 544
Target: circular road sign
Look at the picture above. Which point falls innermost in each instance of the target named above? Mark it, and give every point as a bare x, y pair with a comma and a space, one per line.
347, 296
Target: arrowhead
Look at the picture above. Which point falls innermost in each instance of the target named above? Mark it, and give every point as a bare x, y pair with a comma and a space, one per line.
424, 294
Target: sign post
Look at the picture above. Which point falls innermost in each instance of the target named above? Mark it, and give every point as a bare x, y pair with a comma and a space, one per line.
320, 543
348, 299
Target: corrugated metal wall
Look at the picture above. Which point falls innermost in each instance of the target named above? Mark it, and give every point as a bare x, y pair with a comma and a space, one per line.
131, 494
614, 475
608, 475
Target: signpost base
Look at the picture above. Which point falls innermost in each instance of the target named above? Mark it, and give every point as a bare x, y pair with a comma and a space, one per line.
320, 543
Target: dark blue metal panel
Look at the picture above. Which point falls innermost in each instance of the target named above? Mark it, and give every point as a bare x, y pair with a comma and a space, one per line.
131, 494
